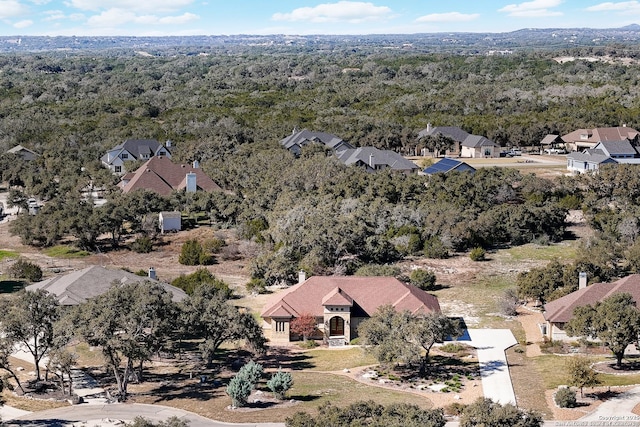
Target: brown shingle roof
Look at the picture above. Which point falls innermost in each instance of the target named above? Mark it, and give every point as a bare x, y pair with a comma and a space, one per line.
161, 175
366, 293
601, 134
561, 310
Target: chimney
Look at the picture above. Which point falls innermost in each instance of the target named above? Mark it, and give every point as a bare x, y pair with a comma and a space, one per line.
152, 273
582, 280
196, 164
428, 127
191, 183
302, 276
372, 161
168, 143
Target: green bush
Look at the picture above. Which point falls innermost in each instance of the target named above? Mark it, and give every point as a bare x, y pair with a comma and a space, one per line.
252, 371
477, 254
279, 383
258, 286
142, 245
423, 279
378, 270
565, 398
454, 409
191, 281
214, 245
23, 269
434, 248
192, 253
238, 390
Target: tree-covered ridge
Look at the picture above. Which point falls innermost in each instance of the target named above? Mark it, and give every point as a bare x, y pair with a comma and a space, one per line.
209, 104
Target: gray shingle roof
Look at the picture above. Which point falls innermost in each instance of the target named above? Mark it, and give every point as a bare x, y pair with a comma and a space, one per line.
452, 132
475, 141
591, 156
617, 148
381, 158
304, 137
79, 286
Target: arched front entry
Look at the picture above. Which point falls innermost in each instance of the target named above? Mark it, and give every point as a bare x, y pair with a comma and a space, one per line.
336, 326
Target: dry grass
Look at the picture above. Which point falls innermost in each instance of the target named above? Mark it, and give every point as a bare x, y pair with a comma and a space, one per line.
310, 390
528, 385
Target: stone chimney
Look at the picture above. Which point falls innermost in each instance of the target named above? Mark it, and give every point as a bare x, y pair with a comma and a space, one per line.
152, 273
582, 280
302, 276
191, 183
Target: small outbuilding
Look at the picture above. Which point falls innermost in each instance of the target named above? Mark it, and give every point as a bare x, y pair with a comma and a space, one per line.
170, 221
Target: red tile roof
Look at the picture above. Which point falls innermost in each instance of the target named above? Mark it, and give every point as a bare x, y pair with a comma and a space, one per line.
161, 175
365, 293
561, 310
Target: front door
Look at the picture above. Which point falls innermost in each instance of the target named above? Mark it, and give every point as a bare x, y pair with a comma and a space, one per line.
336, 326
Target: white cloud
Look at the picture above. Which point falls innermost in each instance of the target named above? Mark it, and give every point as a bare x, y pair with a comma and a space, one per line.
54, 15
625, 6
119, 17
449, 17
9, 8
132, 5
342, 11
23, 24
535, 9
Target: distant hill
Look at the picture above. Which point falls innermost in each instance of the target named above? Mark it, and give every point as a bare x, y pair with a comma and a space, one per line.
528, 38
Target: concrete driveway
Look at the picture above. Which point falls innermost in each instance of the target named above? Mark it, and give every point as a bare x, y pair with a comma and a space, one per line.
97, 415
494, 370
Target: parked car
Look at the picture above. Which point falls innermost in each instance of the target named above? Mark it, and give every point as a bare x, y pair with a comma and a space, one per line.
555, 151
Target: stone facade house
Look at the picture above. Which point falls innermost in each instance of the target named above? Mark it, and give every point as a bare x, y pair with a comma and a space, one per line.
340, 304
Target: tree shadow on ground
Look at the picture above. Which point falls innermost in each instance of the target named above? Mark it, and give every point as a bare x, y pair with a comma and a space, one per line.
11, 286
285, 358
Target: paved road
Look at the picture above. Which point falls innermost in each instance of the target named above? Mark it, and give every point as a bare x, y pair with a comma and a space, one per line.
494, 370
67, 415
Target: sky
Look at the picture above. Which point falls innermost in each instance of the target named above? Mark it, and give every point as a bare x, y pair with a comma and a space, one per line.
303, 17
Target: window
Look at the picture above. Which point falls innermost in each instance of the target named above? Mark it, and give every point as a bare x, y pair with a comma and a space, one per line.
124, 156
279, 326
117, 169
162, 153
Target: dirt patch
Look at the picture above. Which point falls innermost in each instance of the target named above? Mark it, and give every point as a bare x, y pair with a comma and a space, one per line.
531, 319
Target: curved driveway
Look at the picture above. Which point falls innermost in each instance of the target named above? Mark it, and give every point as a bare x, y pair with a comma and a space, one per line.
118, 411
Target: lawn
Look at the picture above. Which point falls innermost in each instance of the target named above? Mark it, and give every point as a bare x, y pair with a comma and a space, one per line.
563, 251
65, 251
8, 254
551, 370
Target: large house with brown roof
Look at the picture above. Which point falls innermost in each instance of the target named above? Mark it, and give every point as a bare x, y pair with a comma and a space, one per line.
161, 175
588, 138
558, 312
340, 304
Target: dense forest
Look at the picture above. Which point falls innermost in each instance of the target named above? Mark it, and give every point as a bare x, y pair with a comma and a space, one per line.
230, 107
